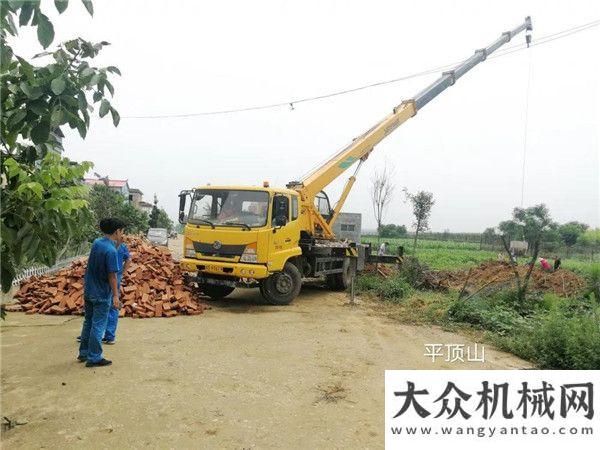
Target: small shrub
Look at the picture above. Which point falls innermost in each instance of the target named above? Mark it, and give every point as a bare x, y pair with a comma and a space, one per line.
413, 271
485, 314
366, 283
558, 340
394, 289
390, 289
593, 282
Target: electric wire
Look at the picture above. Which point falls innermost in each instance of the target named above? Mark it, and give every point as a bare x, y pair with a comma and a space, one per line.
506, 51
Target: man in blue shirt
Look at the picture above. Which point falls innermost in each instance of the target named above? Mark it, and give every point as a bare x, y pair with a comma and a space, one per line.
113, 314
100, 291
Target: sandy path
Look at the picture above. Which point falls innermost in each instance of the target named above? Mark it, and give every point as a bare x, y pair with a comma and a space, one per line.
240, 376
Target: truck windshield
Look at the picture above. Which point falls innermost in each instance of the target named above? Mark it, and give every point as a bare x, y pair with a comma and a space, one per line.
232, 208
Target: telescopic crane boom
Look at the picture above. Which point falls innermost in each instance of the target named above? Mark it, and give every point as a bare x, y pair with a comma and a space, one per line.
360, 148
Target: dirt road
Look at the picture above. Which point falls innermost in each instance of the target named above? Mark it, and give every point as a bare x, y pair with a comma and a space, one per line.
242, 375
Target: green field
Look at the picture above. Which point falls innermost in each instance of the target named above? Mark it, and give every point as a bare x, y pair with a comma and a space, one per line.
451, 255
551, 331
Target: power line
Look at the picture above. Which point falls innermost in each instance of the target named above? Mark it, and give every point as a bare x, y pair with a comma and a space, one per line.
512, 49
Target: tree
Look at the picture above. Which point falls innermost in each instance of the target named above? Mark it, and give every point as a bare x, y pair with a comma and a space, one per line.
42, 210
163, 220
530, 224
591, 240
154, 214
534, 224
159, 217
37, 102
422, 202
104, 203
382, 190
489, 235
570, 232
392, 231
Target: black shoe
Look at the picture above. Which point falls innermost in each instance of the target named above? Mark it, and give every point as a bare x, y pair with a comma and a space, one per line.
107, 342
78, 338
81, 359
103, 362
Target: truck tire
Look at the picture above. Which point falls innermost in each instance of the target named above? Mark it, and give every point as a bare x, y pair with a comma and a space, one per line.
282, 287
216, 292
341, 281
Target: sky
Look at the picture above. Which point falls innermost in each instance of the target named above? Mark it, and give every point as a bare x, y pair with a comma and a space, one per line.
467, 146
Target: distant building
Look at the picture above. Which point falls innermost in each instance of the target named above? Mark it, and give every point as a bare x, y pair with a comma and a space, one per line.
120, 186
348, 226
135, 196
145, 206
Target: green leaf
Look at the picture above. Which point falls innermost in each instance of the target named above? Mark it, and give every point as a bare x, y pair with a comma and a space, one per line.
10, 25
33, 186
81, 128
32, 92
26, 69
25, 14
97, 96
51, 203
81, 100
88, 5
40, 133
6, 55
16, 118
110, 87
56, 118
58, 85
104, 107
61, 5
115, 116
39, 107
45, 31
87, 72
113, 69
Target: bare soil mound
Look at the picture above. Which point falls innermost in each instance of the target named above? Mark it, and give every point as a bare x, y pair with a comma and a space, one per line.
562, 282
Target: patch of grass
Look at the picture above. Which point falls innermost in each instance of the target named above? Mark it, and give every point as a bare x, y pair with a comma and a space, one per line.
484, 313
392, 289
557, 340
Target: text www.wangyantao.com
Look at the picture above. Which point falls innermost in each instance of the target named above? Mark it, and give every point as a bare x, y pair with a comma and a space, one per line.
489, 432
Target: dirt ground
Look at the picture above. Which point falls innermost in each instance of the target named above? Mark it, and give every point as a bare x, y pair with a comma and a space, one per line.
242, 375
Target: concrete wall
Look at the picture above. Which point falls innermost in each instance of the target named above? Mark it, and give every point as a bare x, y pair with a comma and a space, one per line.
348, 226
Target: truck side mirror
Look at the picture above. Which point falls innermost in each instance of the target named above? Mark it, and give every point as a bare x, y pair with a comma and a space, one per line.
182, 199
280, 221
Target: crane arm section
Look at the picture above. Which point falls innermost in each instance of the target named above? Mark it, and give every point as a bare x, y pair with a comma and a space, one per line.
360, 147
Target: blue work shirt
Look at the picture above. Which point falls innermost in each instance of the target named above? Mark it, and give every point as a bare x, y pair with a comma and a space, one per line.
103, 260
123, 255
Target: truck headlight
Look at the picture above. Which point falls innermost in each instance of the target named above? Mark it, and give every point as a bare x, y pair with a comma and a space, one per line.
189, 251
249, 254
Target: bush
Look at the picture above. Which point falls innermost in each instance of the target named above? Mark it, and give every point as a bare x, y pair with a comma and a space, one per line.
558, 340
593, 282
394, 289
485, 313
413, 271
389, 289
366, 283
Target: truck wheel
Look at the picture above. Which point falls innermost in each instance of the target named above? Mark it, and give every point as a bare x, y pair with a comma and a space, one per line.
215, 292
341, 281
282, 287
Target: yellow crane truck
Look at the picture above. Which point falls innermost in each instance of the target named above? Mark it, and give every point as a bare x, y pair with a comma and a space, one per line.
272, 238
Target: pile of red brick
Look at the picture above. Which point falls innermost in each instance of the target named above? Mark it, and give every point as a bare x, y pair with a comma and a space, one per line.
152, 287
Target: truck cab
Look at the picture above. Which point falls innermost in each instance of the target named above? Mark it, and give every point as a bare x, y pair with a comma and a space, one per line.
236, 235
